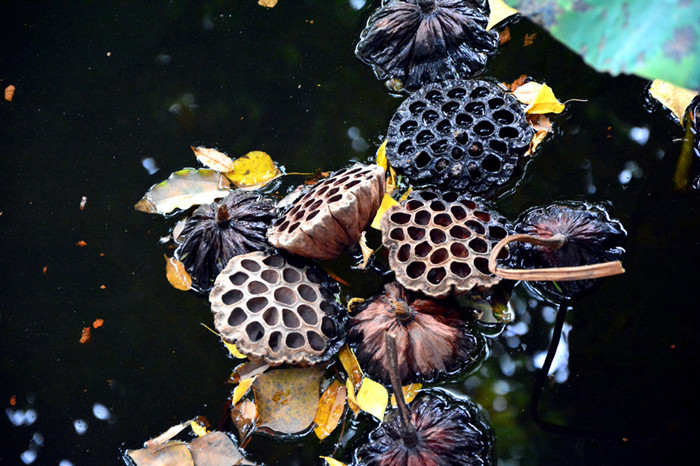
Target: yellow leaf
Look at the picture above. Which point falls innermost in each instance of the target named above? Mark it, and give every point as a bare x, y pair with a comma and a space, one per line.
213, 159
366, 251
404, 196
234, 351
536, 140
499, 12
241, 389
352, 402
672, 97
198, 429
330, 409
384, 163
372, 398
255, 169
539, 98
332, 462
387, 202
176, 274
409, 393
354, 302
267, 3
351, 365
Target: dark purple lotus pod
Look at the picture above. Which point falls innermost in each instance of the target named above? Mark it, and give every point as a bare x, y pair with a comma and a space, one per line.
423, 41
432, 338
219, 231
590, 237
447, 432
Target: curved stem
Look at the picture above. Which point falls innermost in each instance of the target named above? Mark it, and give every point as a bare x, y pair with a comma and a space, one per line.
409, 435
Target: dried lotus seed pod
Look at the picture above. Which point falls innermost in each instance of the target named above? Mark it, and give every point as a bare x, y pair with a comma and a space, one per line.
461, 134
439, 244
277, 308
332, 214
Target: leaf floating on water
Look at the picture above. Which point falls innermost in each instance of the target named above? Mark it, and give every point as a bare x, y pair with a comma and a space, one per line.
409, 393
267, 3
9, 92
85, 335
253, 170
243, 417
499, 11
351, 366
234, 351
332, 462
216, 449
169, 453
198, 429
212, 158
287, 399
330, 409
352, 401
372, 398
241, 389
384, 163
539, 98
676, 99
366, 250
183, 189
176, 274
387, 202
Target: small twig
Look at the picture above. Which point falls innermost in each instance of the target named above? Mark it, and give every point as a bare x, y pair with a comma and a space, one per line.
583, 272
408, 430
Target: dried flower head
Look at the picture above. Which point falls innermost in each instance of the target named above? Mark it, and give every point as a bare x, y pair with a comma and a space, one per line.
217, 232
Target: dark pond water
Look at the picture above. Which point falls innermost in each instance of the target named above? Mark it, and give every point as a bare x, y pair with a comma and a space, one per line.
103, 85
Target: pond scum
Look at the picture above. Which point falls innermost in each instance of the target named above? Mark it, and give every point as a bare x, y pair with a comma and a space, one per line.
448, 259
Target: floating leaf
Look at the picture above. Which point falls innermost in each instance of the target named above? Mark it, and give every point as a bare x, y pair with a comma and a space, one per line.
387, 202
287, 399
243, 417
9, 93
169, 453
366, 251
253, 170
167, 435
241, 389
198, 429
330, 409
539, 98
352, 401
498, 12
672, 97
234, 351
183, 189
354, 302
267, 3
212, 158
176, 274
332, 462
351, 366
384, 163
372, 398
409, 393
216, 449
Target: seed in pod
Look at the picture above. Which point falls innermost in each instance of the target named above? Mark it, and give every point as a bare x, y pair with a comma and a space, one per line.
423, 41
332, 214
216, 232
439, 243
433, 340
461, 134
277, 308
589, 236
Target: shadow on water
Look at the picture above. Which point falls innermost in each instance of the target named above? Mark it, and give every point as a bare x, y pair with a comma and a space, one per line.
101, 86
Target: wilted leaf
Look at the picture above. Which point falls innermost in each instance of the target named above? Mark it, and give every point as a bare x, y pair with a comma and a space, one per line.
539, 98
672, 97
243, 417
171, 453
330, 409
216, 449
234, 351
9, 92
255, 169
387, 202
85, 335
409, 393
287, 399
212, 158
167, 435
366, 250
183, 189
332, 462
198, 429
352, 402
354, 302
536, 140
351, 366
98, 323
241, 389
372, 398
499, 12
267, 3
176, 274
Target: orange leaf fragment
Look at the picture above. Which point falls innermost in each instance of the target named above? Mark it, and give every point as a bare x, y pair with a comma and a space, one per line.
44, 270
103, 287
9, 92
81, 243
13, 400
176, 274
330, 409
98, 323
85, 335
529, 39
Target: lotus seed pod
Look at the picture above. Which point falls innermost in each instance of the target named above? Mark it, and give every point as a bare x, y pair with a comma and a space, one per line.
439, 244
463, 135
277, 308
332, 214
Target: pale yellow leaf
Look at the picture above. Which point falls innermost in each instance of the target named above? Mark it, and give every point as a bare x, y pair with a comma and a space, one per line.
267, 3
366, 251
351, 365
387, 202
352, 402
212, 158
354, 302
167, 435
384, 163
198, 429
183, 189
409, 393
330, 409
372, 398
404, 196
332, 462
176, 274
241, 389
539, 98
499, 12
672, 97
234, 351
255, 169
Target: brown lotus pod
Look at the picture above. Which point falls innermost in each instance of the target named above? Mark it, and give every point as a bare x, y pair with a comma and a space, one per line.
332, 214
432, 339
277, 308
439, 244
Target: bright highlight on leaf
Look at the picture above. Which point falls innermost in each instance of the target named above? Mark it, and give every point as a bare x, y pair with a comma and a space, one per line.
234, 351
539, 98
182, 190
332, 462
409, 393
176, 274
212, 158
499, 12
253, 170
351, 366
672, 97
387, 202
330, 409
241, 389
372, 398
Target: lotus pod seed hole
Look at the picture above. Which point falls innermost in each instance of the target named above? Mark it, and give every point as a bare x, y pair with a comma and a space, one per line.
257, 304
237, 317
440, 146
294, 227
450, 108
232, 297
413, 205
476, 149
275, 341
435, 276
291, 275
430, 117
250, 265
406, 148
450, 196
444, 220
479, 93
295, 340
456, 93
290, 319
434, 96
428, 196
482, 265
307, 314
313, 277
417, 107
478, 245
483, 216
508, 132
422, 159
256, 287
271, 316
424, 137
329, 308
457, 153
415, 269
458, 212
397, 234
459, 232
423, 249
503, 117
416, 234
437, 206
400, 217
444, 127
270, 276
335, 198
352, 184
460, 269
459, 250
484, 128
285, 296
316, 341
476, 227
307, 293
404, 253
328, 327
462, 137
463, 120
438, 236
408, 128
422, 217
477, 108
312, 215
497, 233
255, 331
439, 256
498, 146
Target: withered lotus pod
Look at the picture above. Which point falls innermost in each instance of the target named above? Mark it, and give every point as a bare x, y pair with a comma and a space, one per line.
466, 135
216, 232
432, 339
279, 309
439, 244
332, 214
449, 433
423, 41
590, 236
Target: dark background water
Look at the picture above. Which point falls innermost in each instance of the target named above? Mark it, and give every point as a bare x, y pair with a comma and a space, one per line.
102, 85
